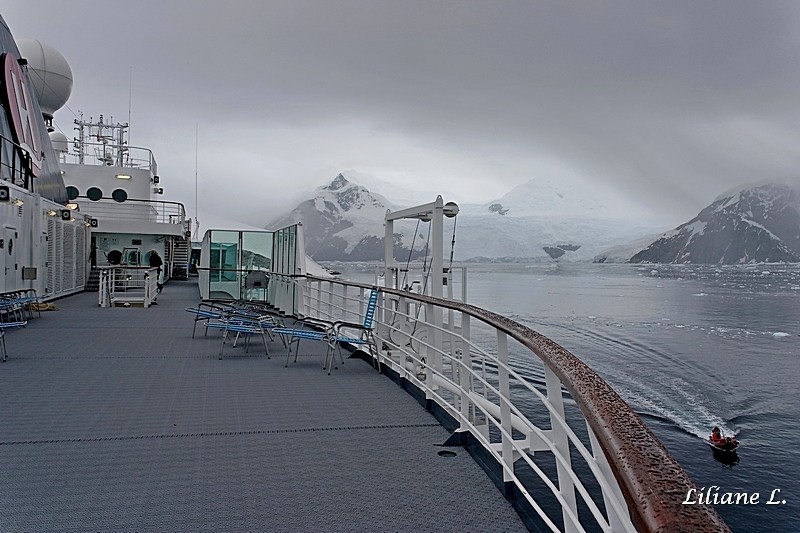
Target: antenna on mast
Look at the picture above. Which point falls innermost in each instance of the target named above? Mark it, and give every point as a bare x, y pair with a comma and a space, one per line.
130, 92
196, 207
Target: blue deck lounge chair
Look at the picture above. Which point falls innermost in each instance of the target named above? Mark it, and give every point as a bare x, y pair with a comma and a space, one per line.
3, 327
244, 319
245, 325
206, 312
333, 333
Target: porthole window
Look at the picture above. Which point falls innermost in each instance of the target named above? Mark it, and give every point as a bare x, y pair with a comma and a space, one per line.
72, 192
94, 194
119, 195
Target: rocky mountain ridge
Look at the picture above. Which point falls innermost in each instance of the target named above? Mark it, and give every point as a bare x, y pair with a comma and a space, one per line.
754, 224
344, 222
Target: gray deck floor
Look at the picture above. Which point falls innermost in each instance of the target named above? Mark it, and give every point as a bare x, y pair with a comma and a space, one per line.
116, 419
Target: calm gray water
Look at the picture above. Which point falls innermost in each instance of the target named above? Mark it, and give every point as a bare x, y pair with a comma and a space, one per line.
689, 347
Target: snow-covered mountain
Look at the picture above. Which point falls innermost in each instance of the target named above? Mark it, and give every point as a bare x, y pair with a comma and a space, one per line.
344, 222
755, 224
543, 220
543, 197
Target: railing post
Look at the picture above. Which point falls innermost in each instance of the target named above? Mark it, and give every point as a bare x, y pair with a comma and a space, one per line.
425, 351
147, 294
464, 284
432, 339
464, 376
305, 308
561, 442
318, 304
345, 312
608, 486
361, 302
505, 407
382, 312
330, 300
103, 300
437, 321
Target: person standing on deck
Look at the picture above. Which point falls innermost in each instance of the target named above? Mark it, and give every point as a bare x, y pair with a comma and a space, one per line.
156, 262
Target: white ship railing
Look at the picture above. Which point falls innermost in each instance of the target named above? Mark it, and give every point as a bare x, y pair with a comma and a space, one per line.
109, 154
127, 285
604, 469
162, 212
15, 164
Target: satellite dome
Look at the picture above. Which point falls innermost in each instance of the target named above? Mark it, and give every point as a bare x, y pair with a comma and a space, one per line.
59, 141
49, 73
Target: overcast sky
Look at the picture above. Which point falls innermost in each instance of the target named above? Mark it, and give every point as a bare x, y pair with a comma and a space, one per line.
669, 103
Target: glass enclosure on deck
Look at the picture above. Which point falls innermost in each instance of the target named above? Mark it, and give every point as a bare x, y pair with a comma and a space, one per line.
252, 265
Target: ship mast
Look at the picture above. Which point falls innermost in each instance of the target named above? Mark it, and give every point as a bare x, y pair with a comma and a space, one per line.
109, 141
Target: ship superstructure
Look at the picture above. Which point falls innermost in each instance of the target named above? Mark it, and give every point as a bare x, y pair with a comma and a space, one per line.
119, 187
105, 185
44, 245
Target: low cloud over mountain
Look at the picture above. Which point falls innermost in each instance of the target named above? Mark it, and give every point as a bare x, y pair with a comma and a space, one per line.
536, 221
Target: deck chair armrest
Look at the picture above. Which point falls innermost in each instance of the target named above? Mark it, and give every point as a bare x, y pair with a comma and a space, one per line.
340, 324
262, 320
314, 322
222, 309
299, 325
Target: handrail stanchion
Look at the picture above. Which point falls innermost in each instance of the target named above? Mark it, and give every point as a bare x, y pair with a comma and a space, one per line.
361, 302
561, 442
610, 491
465, 377
430, 358
436, 339
318, 303
504, 386
330, 300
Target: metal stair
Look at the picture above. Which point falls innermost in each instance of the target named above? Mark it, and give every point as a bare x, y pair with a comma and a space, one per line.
93, 283
179, 258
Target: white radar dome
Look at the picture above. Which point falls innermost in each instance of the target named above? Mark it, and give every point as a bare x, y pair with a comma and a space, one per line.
59, 141
49, 72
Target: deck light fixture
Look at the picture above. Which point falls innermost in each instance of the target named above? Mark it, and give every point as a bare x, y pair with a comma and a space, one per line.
51, 212
18, 201
73, 206
123, 176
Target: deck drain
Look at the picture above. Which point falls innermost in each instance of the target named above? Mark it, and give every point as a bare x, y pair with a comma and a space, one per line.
446, 453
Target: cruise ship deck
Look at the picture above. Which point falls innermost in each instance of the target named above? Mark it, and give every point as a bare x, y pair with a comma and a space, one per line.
116, 419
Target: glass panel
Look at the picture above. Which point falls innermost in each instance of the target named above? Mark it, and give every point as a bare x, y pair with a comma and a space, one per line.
291, 252
256, 250
282, 288
224, 264
256, 256
291, 257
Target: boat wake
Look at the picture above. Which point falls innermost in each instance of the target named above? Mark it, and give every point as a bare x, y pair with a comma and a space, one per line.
681, 407
657, 384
